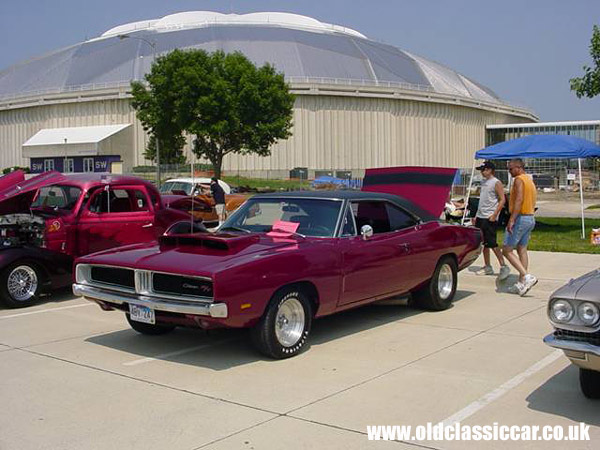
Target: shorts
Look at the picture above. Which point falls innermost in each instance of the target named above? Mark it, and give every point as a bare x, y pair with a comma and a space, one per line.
488, 229
521, 231
220, 209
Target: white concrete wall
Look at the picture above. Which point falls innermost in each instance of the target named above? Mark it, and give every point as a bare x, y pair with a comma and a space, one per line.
337, 132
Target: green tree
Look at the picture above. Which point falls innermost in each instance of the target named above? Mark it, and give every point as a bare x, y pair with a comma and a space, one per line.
589, 84
170, 150
225, 101
154, 106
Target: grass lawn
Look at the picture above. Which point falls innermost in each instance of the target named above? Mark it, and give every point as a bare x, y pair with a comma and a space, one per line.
258, 183
561, 235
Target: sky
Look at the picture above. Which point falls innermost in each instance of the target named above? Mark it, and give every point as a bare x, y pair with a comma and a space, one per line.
524, 50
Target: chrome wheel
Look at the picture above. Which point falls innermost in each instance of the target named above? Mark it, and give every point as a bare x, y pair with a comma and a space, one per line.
22, 283
289, 322
445, 282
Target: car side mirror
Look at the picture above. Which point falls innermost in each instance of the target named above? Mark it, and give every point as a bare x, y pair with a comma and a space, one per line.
366, 231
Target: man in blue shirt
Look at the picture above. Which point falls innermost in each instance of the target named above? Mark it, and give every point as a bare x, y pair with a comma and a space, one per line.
219, 196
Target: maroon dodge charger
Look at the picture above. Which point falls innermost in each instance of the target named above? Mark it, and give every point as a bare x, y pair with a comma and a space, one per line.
280, 261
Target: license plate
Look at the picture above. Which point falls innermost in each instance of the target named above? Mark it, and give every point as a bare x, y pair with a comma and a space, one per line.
141, 314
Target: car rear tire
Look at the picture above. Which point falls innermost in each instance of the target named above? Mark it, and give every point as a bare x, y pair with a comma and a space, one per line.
284, 327
21, 284
148, 328
589, 381
439, 291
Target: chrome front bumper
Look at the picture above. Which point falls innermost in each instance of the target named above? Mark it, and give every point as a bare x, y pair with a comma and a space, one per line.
216, 310
573, 346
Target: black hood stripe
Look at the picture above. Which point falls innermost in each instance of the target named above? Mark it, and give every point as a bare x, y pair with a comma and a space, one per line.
409, 178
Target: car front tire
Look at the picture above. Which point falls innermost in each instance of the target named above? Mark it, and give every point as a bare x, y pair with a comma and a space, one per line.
148, 328
589, 381
21, 285
439, 291
284, 327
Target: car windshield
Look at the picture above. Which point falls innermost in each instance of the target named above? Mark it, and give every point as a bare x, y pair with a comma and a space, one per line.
58, 197
176, 187
309, 217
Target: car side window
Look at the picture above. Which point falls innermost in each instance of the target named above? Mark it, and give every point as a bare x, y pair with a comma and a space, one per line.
373, 213
348, 225
118, 201
399, 219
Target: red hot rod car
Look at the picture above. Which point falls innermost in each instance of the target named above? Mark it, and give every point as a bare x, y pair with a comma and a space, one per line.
48, 220
280, 261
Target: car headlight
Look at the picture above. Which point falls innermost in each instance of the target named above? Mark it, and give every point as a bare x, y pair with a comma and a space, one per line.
588, 313
562, 311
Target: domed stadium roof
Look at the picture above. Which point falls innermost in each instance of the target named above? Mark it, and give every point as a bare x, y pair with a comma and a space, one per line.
301, 47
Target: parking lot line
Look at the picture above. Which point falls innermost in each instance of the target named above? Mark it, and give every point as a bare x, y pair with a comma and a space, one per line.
490, 397
45, 311
183, 351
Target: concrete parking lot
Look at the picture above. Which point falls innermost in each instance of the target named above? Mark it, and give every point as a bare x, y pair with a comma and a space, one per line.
74, 377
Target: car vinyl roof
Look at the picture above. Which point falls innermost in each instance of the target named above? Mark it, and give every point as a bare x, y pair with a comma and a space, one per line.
354, 195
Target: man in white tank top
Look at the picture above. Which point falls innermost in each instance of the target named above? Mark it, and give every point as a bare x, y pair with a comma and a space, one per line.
491, 202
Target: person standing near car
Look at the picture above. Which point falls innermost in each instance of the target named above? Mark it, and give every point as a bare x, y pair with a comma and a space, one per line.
218, 195
522, 200
491, 202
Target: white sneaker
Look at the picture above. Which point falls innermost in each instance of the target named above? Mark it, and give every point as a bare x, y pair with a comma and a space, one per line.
504, 272
486, 270
520, 288
530, 281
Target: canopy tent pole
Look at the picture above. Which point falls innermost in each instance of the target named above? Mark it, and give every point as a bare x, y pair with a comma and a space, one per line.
462, 221
581, 199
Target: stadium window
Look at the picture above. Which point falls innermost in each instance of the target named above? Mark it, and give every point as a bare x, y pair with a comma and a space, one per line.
69, 165
88, 164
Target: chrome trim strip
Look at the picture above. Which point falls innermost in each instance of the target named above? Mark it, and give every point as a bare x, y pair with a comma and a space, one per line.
217, 310
576, 346
180, 275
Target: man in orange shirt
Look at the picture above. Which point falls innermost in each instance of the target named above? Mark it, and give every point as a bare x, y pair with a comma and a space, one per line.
518, 230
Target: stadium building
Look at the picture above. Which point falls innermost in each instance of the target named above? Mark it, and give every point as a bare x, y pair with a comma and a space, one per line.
360, 103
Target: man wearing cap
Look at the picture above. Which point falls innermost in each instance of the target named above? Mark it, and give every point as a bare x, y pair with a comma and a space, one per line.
219, 196
522, 200
491, 202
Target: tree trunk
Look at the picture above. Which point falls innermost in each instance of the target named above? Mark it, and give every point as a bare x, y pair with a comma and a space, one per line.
217, 162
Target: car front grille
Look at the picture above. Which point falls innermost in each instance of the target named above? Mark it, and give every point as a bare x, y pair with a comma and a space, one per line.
181, 285
578, 336
182, 288
114, 276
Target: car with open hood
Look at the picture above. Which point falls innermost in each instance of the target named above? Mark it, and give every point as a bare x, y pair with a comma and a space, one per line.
192, 195
48, 220
574, 311
282, 260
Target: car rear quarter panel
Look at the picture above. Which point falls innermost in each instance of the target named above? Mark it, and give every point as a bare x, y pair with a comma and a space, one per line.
436, 240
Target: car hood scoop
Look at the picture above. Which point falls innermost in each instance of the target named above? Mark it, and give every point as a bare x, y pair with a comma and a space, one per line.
221, 241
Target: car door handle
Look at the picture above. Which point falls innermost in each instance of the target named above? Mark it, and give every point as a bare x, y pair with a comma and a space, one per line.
148, 225
404, 247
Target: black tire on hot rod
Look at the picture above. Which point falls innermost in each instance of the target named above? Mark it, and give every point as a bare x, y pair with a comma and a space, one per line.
20, 284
